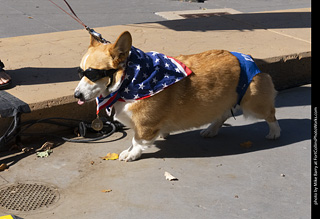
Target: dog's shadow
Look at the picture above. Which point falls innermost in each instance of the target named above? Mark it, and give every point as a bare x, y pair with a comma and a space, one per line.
227, 142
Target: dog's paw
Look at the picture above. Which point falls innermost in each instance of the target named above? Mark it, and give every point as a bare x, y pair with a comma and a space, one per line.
209, 133
273, 135
274, 131
131, 154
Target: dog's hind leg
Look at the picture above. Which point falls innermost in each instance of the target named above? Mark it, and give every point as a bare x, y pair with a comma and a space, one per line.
274, 130
259, 103
215, 126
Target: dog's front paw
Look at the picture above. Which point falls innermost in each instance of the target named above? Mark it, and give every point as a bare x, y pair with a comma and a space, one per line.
131, 154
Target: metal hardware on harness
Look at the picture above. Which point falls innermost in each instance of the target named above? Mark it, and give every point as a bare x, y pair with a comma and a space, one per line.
97, 35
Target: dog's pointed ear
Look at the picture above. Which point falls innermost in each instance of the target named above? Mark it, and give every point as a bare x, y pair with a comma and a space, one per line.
93, 41
121, 48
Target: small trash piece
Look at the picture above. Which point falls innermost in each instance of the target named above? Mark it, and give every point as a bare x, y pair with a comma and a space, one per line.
170, 177
110, 156
44, 153
3, 167
246, 144
283, 175
106, 190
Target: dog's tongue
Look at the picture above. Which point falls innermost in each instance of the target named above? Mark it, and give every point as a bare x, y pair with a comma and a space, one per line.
80, 102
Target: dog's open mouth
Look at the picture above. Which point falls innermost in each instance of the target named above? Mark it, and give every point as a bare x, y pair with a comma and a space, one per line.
82, 97
81, 102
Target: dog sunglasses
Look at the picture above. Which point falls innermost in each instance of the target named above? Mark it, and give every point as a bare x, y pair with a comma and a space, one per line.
96, 74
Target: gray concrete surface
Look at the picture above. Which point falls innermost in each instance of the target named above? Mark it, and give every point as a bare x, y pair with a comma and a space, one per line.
217, 177
19, 18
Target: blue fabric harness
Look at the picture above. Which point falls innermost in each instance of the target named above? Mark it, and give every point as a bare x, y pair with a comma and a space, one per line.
248, 70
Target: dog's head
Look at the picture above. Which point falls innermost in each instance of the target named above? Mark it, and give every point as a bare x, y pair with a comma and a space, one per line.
102, 67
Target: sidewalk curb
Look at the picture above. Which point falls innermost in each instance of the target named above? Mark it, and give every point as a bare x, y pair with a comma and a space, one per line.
286, 72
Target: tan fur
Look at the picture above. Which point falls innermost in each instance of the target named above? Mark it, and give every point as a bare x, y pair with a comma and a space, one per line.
207, 95
202, 97
259, 98
193, 101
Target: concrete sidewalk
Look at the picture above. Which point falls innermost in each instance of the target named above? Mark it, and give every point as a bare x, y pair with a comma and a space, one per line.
217, 177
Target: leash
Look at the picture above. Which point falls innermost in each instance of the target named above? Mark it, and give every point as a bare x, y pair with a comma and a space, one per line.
74, 16
17, 129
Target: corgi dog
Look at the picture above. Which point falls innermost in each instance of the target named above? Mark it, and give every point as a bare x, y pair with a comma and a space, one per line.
207, 88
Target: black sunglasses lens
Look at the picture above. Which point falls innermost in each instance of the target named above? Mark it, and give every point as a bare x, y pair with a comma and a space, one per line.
92, 74
95, 74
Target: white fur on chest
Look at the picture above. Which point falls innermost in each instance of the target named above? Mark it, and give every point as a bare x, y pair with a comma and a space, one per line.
123, 114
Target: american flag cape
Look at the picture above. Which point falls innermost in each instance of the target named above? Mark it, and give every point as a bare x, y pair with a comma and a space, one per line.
248, 70
146, 74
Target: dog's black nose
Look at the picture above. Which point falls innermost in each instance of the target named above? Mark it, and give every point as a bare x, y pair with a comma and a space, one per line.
78, 95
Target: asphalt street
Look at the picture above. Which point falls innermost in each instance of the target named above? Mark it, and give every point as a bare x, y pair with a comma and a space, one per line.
27, 17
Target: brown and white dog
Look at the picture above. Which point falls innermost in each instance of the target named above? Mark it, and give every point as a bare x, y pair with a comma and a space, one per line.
206, 96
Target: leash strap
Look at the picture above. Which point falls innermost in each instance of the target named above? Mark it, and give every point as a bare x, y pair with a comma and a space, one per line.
74, 16
71, 9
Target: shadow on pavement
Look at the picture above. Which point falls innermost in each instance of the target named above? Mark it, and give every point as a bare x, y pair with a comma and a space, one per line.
227, 142
30, 76
246, 21
299, 96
